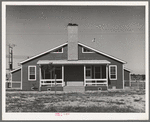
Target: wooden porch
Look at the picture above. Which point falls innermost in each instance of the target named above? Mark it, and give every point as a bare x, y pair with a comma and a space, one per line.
52, 75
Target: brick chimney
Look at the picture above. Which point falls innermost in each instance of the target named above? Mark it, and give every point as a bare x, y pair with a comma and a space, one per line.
72, 41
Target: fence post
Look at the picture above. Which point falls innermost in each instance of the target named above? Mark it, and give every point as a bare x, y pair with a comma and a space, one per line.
55, 84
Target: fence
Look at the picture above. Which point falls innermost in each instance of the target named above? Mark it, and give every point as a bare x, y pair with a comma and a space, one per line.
140, 85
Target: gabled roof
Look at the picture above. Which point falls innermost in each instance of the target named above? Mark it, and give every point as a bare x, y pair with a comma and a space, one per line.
15, 69
43, 53
66, 44
102, 53
127, 69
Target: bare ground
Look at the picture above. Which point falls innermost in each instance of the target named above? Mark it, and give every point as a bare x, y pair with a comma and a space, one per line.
129, 100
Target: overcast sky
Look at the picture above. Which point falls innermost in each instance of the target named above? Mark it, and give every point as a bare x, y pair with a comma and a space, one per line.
119, 31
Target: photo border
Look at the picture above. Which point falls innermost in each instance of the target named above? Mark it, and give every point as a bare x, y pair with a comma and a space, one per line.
76, 116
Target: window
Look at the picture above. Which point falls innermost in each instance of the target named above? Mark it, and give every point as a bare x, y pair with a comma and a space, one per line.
60, 50
85, 50
113, 72
47, 74
88, 72
58, 72
100, 72
31, 73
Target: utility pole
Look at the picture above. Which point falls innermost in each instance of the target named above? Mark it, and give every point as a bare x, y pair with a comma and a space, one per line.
11, 56
10, 62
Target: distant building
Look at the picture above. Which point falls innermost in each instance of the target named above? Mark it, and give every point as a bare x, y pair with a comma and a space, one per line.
127, 77
75, 64
137, 77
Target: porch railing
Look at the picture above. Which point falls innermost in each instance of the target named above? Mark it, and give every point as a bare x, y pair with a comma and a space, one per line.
51, 82
95, 82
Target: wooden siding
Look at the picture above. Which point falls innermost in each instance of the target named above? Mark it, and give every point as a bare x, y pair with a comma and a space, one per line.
126, 75
96, 56
45, 88
50, 56
72, 70
26, 85
16, 85
126, 78
16, 76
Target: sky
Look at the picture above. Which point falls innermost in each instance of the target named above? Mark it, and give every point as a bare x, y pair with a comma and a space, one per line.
118, 31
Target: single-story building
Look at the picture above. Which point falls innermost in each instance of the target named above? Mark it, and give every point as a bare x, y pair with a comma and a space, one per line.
70, 64
127, 77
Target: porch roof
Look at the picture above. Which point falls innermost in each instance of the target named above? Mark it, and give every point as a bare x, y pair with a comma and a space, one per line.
73, 62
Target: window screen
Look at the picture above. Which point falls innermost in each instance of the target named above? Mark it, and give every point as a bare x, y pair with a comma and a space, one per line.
32, 72
113, 72
86, 50
60, 50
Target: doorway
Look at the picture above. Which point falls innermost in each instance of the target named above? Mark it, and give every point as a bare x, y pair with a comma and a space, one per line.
74, 75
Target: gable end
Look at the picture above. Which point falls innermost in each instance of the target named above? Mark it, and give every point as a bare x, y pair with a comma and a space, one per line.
83, 45
36, 56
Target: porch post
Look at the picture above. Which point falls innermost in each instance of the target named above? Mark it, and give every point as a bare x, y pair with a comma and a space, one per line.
84, 75
39, 77
63, 83
107, 75
123, 75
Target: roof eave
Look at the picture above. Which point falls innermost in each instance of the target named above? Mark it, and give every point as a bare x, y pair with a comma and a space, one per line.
127, 69
15, 70
66, 62
43, 53
124, 62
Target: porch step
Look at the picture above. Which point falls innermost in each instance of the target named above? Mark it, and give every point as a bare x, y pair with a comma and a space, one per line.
74, 89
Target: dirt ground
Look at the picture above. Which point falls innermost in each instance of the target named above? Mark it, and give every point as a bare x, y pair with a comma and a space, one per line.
128, 100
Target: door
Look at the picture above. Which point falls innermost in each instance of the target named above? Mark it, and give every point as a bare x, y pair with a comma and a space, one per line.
74, 75
88, 72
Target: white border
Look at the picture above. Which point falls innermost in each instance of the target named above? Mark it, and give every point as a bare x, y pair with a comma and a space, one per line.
116, 72
29, 73
147, 58
76, 116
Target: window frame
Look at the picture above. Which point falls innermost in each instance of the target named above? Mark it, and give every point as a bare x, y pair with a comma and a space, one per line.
29, 73
101, 72
85, 52
112, 74
90, 68
58, 49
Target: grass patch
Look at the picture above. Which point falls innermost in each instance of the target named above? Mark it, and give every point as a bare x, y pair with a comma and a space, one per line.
111, 101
